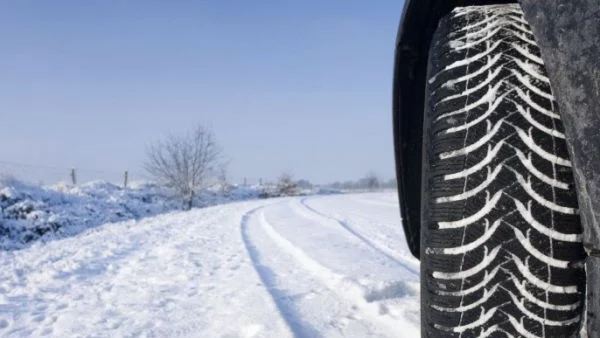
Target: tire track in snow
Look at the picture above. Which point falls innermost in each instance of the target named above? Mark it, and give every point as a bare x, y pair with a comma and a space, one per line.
289, 314
346, 289
365, 240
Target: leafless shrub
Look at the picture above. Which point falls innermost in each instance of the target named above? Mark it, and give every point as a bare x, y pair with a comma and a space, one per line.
286, 186
184, 163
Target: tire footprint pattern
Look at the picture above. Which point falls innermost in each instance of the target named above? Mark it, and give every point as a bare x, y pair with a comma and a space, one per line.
502, 252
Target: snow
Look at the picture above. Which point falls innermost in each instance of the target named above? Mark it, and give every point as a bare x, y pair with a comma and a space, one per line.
30, 213
318, 266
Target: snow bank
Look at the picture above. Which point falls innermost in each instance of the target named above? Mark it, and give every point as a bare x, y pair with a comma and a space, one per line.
30, 213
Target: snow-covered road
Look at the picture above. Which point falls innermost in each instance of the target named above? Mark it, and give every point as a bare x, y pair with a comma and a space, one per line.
328, 266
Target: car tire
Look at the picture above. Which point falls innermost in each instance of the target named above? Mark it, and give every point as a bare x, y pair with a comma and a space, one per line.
501, 250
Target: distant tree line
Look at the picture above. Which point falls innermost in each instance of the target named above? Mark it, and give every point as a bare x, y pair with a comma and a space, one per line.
371, 181
287, 186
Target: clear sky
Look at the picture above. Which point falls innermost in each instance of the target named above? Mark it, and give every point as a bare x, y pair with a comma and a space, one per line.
296, 86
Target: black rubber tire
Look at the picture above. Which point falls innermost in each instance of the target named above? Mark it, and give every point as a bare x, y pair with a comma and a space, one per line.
501, 251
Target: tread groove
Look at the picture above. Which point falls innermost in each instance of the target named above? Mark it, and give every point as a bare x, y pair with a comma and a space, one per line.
501, 240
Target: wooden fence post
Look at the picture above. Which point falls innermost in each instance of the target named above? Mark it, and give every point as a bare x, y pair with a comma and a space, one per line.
73, 176
125, 179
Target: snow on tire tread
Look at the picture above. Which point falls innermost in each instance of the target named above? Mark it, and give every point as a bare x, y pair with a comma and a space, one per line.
502, 241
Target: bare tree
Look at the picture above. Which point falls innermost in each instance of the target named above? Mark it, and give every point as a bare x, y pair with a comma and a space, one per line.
304, 184
184, 163
349, 185
286, 186
371, 181
223, 177
392, 183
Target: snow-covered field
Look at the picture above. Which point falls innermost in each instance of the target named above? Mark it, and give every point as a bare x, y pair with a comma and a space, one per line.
323, 266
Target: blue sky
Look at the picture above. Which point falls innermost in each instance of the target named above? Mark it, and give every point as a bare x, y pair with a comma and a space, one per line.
296, 86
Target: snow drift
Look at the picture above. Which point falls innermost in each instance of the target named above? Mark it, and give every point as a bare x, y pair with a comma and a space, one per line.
30, 212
